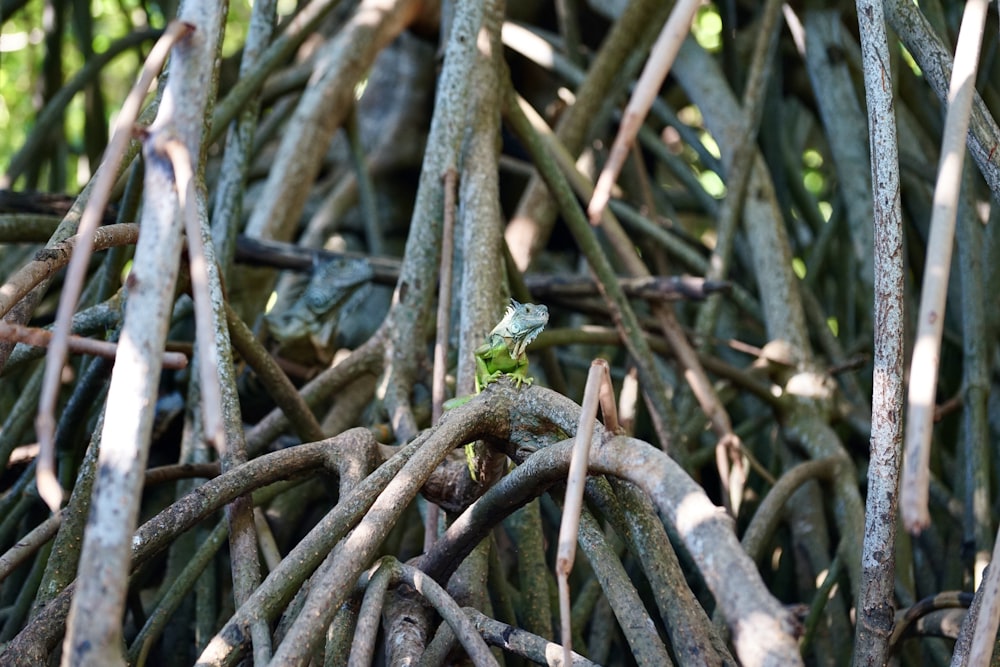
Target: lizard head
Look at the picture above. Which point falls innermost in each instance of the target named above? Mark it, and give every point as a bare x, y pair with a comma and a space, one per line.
522, 323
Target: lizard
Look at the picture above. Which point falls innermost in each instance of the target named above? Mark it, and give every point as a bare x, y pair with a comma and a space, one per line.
308, 328
504, 353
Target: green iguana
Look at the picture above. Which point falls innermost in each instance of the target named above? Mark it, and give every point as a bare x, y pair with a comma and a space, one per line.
503, 353
307, 330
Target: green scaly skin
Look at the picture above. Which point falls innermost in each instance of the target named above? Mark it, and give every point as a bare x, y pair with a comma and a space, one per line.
503, 353
493, 361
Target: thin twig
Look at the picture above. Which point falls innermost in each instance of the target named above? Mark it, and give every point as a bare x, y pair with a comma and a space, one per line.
444, 295
76, 273
77, 344
597, 378
628, 399
661, 58
679, 345
50, 260
607, 398
239, 142
930, 323
876, 590
204, 314
29, 544
366, 629
433, 512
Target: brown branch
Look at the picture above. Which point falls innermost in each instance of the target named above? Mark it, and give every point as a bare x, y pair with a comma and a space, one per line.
49, 260
277, 384
172, 473
77, 344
